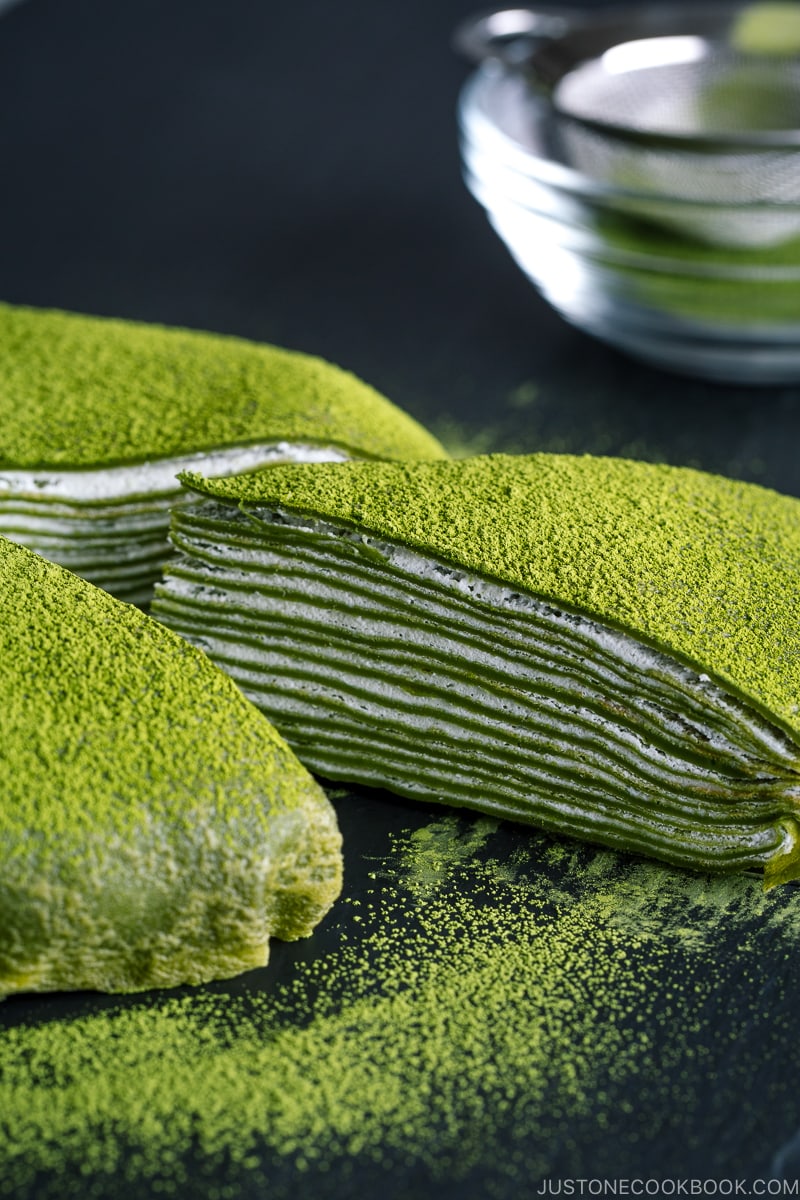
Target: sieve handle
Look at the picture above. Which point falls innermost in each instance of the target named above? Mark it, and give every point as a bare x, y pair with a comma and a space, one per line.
511, 35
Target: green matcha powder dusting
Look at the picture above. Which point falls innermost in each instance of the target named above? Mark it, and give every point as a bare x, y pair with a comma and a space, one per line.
503, 996
88, 392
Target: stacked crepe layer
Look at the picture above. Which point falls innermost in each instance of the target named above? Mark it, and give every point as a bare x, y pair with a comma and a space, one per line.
111, 526
154, 828
98, 417
605, 649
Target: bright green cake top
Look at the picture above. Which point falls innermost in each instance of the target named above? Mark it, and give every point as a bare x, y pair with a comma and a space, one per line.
84, 392
704, 568
110, 724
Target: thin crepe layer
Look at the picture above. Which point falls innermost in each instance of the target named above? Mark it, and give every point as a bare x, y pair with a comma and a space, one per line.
84, 401
110, 529
154, 828
604, 648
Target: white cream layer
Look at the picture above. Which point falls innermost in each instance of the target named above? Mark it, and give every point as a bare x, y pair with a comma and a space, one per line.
148, 478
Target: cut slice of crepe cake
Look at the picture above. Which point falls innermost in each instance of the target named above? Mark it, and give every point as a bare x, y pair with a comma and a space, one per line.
607, 649
98, 416
154, 827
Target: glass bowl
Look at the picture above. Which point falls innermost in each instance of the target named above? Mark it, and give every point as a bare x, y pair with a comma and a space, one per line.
705, 287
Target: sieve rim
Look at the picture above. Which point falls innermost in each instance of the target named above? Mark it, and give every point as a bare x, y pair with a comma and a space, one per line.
480, 130
544, 45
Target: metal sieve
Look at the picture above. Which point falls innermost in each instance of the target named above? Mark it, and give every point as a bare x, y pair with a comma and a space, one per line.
697, 103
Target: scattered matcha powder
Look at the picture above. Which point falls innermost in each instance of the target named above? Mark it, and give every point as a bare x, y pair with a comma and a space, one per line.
504, 995
462, 440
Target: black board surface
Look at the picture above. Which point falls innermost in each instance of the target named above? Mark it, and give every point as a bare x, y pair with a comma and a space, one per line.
290, 173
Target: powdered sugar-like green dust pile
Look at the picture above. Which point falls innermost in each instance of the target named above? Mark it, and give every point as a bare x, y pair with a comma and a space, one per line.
486, 1012
604, 648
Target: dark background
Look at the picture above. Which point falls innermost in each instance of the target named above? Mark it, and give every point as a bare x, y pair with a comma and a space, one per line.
290, 173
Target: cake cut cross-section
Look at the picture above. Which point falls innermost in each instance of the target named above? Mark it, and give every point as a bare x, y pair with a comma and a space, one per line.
603, 648
155, 829
99, 416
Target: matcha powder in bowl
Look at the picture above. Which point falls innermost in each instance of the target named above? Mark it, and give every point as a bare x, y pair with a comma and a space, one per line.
641, 166
490, 1011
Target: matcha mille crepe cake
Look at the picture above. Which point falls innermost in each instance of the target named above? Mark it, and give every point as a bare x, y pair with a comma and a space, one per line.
98, 416
603, 648
154, 827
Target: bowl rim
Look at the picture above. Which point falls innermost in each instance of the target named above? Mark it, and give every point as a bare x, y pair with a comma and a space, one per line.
546, 45
478, 129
